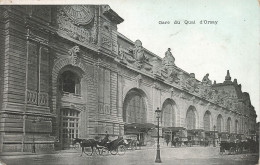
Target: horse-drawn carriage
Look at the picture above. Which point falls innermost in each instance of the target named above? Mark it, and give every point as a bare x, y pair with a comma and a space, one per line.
103, 147
117, 146
238, 147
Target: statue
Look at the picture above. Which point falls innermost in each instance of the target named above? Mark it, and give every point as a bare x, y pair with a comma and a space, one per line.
168, 60
138, 52
206, 80
191, 84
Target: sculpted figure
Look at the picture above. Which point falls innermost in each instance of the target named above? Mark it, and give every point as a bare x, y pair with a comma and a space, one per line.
191, 83
206, 80
138, 52
168, 59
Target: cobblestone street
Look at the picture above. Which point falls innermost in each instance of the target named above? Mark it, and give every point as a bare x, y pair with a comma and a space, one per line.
189, 155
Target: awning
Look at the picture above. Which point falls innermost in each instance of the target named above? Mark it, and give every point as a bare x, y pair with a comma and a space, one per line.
211, 132
195, 130
173, 129
140, 126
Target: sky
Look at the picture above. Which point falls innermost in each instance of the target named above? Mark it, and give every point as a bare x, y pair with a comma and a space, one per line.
231, 44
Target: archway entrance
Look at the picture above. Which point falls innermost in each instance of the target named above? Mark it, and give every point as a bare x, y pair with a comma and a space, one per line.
134, 115
69, 126
168, 121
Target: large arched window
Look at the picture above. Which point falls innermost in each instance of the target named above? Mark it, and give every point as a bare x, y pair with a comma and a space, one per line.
134, 110
168, 113
191, 118
206, 120
229, 125
70, 82
236, 127
219, 123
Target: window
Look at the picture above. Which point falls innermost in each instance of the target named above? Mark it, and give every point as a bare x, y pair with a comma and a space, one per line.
135, 109
191, 119
70, 82
229, 125
219, 123
168, 114
206, 121
236, 127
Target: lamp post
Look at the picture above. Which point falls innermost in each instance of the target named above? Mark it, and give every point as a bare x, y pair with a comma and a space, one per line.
158, 157
214, 145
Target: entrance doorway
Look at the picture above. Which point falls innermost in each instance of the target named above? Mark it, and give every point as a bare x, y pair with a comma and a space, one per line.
69, 127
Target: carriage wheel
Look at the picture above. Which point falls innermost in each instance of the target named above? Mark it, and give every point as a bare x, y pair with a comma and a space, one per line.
232, 150
221, 151
113, 152
121, 150
105, 151
88, 151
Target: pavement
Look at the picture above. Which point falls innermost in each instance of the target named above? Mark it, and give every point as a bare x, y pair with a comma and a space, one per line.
145, 156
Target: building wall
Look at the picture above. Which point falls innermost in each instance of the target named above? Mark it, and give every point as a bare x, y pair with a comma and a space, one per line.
39, 43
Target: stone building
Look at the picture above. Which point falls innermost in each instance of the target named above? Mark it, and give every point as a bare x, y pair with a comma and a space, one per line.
66, 72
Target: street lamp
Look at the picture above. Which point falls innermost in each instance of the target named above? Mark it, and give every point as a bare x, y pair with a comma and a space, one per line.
214, 145
158, 157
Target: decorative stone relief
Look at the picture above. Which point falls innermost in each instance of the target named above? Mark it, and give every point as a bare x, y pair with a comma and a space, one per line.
138, 80
168, 70
157, 85
156, 66
138, 56
73, 52
75, 21
191, 84
100, 62
168, 60
138, 52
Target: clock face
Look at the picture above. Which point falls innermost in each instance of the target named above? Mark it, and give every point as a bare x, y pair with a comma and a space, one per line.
80, 14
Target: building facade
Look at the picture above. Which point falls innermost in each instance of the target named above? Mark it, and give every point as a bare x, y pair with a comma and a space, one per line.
66, 72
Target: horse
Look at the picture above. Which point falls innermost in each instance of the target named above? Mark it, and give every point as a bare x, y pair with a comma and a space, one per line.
85, 143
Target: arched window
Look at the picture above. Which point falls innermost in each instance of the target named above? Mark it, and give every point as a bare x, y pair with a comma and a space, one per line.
206, 120
229, 125
191, 119
219, 123
70, 83
245, 130
236, 127
134, 108
168, 114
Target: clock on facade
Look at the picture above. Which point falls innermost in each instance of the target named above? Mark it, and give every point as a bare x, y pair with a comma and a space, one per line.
79, 14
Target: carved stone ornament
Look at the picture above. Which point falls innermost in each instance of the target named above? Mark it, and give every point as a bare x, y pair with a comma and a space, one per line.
138, 80
138, 52
138, 57
73, 52
192, 84
72, 21
168, 59
206, 80
79, 14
